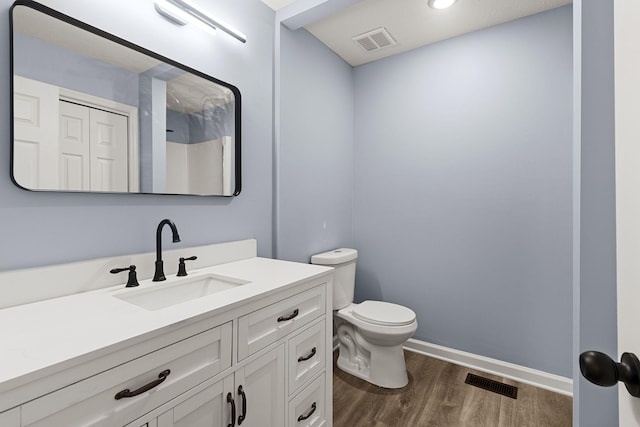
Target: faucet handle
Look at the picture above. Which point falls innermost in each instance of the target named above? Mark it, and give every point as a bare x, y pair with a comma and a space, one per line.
132, 281
182, 269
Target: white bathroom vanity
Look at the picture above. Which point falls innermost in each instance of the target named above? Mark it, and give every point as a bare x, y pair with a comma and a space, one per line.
240, 341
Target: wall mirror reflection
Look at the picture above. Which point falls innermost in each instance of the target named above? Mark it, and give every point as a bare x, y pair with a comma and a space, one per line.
93, 113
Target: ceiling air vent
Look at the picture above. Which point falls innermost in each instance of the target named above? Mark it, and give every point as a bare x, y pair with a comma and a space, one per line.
375, 40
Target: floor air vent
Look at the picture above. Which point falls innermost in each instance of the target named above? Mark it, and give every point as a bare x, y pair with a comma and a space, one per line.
375, 40
491, 385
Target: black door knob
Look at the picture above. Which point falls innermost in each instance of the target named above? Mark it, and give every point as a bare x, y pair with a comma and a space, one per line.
601, 370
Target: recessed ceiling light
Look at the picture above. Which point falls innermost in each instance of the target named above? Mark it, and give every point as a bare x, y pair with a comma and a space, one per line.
440, 4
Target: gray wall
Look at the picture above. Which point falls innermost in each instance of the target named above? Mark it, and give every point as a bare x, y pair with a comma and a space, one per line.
462, 197
316, 148
595, 294
48, 228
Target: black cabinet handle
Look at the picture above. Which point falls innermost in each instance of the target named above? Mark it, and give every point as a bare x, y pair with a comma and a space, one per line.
308, 356
127, 393
233, 410
289, 317
308, 414
601, 370
243, 416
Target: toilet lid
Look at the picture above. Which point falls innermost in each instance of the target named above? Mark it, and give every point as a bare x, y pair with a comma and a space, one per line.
384, 313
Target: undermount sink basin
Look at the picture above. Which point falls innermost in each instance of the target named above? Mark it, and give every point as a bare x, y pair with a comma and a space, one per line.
166, 294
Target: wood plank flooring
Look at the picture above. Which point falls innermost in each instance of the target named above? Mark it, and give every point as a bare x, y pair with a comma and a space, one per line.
437, 396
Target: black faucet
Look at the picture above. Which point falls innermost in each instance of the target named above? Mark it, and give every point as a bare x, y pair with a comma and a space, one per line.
159, 274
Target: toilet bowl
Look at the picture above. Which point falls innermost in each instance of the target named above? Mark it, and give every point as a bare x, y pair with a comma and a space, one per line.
371, 346
371, 334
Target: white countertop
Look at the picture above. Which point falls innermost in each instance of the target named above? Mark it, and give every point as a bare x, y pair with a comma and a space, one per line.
37, 337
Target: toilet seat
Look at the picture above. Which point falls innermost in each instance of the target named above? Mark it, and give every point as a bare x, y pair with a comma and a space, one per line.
384, 313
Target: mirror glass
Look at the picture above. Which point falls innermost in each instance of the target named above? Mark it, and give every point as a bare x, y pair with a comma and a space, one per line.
94, 113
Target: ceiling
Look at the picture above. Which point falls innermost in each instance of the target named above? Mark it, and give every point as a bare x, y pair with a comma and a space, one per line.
411, 23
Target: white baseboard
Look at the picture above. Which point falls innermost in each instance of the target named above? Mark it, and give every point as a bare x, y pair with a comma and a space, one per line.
514, 372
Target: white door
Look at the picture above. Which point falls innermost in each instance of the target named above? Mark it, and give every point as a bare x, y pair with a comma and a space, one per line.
74, 149
35, 106
93, 149
627, 129
61, 145
109, 151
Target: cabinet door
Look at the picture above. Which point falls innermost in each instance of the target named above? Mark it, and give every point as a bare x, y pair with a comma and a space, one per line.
10, 418
209, 407
260, 391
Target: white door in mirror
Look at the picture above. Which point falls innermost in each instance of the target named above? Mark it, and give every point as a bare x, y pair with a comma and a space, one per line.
34, 133
70, 148
93, 149
108, 151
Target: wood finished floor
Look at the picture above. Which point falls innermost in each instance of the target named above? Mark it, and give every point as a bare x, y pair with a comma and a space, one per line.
437, 396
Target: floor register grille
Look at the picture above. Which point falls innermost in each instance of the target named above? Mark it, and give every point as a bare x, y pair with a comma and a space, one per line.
491, 385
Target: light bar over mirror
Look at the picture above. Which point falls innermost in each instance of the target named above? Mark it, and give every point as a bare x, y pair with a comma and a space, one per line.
95, 113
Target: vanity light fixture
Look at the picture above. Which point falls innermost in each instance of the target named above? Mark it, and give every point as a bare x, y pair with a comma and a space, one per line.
440, 4
182, 11
179, 17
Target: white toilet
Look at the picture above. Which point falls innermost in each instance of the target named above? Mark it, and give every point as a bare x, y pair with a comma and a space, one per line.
371, 334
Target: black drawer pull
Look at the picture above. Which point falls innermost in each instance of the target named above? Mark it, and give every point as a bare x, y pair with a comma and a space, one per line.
308, 356
127, 393
289, 317
233, 410
311, 411
242, 417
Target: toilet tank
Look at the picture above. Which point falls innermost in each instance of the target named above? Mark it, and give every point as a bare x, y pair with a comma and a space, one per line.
344, 278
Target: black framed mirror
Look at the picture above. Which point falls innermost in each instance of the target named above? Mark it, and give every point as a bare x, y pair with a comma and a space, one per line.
95, 113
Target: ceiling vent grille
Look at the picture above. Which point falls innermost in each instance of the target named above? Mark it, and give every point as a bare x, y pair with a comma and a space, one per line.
375, 40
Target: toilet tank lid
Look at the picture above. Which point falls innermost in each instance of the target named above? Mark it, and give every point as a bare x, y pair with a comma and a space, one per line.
334, 257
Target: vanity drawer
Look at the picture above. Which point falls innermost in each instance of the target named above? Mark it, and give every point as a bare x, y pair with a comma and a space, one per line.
308, 409
92, 402
306, 355
267, 325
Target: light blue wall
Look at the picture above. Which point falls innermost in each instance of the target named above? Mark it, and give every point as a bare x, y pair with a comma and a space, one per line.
44, 228
596, 291
191, 128
52, 64
153, 133
178, 123
212, 124
462, 197
316, 148
47, 228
